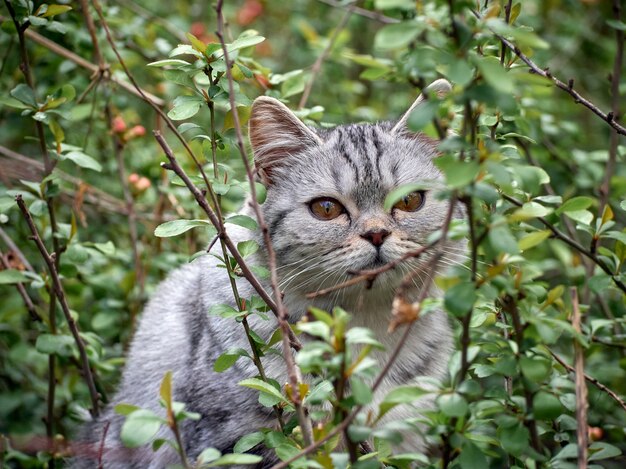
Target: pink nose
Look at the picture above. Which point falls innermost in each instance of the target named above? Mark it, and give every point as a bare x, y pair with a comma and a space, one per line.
376, 237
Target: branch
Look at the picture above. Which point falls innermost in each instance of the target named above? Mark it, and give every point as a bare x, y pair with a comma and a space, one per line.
60, 294
592, 380
317, 66
605, 188
248, 274
94, 69
568, 88
563, 237
377, 382
372, 15
582, 430
292, 369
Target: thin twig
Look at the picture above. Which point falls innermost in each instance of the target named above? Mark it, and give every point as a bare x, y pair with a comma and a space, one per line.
317, 66
247, 273
372, 15
609, 118
586, 252
609, 170
292, 368
582, 427
612, 394
60, 294
93, 68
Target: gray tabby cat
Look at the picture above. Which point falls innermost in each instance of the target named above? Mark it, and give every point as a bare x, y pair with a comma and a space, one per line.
324, 210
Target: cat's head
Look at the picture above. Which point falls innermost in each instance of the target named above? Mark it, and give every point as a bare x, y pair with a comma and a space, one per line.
326, 191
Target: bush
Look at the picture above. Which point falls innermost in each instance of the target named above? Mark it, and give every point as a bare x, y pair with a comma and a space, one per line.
532, 145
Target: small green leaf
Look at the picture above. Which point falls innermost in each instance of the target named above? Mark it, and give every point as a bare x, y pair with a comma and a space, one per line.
400, 395
82, 160
166, 62
125, 409
166, 389
54, 10
546, 406
460, 298
55, 344
452, 405
243, 220
224, 362
247, 248
176, 227
185, 107
11, 276
601, 450
209, 455
263, 387
575, 204
249, 441
514, 439
361, 392
24, 94
139, 428
584, 217
533, 239
396, 36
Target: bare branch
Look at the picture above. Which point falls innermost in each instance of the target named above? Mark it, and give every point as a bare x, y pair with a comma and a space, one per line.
317, 66
60, 294
582, 428
292, 368
609, 118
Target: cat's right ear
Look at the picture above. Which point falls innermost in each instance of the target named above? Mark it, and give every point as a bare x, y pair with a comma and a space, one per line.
441, 87
276, 135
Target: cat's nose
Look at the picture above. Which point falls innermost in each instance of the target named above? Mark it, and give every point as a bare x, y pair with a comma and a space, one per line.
376, 237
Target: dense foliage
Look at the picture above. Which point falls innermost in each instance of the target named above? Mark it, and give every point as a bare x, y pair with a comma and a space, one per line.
540, 174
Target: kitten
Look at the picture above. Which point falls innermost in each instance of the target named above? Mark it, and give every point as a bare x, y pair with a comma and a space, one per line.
324, 210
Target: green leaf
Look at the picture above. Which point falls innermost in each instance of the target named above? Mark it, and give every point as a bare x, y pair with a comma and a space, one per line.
361, 392
495, 74
55, 344
471, 457
546, 406
225, 311
316, 329
247, 248
82, 160
176, 227
54, 10
422, 115
460, 298
575, 204
24, 94
243, 220
529, 210
125, 409
263, 387
401, 395
533, 239
616, 24
601, 450
502, 240
166, 62
514, 439
249, 441
209, 455
396, 36
584, 217
452, 405
11, 276
166, 389
224, 362
458, 173
185, 107
139, 428
535, 369
245, 41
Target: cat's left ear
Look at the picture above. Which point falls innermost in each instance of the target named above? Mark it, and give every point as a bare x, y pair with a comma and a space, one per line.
276, 136
441, 87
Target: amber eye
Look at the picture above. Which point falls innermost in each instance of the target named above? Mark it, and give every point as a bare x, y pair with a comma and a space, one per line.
326, 208
411, 202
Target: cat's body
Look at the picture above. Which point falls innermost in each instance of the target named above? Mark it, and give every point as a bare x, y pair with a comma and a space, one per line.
354, 166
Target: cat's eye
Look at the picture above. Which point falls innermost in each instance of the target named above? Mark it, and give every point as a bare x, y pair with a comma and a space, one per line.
326, 208
411, 202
